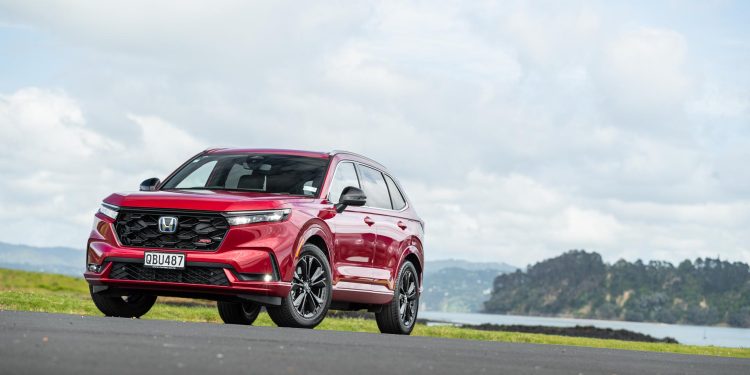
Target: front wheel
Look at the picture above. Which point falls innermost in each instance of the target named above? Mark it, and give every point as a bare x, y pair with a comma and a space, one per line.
132, 306
310, 296
400, 315
238, 313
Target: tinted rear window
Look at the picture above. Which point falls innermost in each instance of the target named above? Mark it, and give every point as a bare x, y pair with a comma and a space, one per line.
397, 199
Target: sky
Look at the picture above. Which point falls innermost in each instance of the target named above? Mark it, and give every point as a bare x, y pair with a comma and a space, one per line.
519, 129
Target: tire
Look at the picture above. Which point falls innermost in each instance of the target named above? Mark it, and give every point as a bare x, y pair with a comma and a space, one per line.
238, 313
391, 318
310, 296
133, 306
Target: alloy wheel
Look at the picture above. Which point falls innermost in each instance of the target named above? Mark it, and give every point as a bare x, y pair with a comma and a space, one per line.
407, 298
309, 287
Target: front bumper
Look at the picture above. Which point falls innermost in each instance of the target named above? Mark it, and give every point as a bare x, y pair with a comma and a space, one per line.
235, 288
248, 257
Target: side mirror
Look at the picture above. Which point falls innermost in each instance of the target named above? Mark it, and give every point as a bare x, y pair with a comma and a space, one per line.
150, 184
351, 196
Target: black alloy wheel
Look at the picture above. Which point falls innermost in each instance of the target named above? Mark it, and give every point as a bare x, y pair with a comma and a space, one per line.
400, 315
309, 286
308, 300
407, 298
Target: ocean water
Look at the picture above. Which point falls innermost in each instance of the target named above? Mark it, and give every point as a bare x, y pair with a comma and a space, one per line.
685, 334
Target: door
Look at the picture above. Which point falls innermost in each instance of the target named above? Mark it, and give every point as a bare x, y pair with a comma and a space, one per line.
393, 236
354, 235
390, 229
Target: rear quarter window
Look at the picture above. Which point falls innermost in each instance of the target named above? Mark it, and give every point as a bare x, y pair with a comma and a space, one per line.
397, 198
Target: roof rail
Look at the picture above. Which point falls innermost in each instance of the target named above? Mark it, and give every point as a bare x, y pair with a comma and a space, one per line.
335, 152
212, 149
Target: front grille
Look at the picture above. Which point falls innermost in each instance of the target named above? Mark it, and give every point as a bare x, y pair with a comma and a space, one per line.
195, 231
189, 275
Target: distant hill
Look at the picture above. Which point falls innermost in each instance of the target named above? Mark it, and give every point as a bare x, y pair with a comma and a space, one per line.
458, 285
437, 265
578, 283
62, 260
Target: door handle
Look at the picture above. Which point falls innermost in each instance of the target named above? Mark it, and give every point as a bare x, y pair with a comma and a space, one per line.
369, 221
401, 225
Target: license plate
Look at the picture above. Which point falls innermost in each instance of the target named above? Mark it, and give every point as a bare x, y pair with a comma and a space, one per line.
164, 260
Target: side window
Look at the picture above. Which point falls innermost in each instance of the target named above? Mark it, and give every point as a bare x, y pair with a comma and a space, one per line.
345, 176
375, 188
397, 199
199, 177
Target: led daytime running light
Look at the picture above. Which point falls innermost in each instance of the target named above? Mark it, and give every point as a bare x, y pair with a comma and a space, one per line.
109, 210
259, 217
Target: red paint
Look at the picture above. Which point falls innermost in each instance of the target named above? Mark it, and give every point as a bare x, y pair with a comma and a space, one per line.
366, 246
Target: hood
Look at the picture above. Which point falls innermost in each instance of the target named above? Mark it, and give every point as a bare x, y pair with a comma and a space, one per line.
202, 200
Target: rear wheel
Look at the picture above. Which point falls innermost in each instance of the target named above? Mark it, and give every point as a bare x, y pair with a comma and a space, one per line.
238, 313
400, 315
310, 295
132, 306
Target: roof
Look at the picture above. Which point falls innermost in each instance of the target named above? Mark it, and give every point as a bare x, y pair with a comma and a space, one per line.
312, 154
359, 156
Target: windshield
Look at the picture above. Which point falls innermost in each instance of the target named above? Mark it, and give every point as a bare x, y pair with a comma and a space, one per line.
264, 173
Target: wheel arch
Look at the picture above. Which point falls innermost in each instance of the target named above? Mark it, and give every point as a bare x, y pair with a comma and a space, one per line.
416, 262
414, 255
315, 232
321, 243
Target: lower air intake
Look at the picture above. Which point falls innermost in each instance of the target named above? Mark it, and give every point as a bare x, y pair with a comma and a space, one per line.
190, 275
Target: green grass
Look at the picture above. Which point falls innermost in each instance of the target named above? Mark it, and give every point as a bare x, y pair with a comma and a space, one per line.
30, 291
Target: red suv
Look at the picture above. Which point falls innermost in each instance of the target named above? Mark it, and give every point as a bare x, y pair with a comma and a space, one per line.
297, 232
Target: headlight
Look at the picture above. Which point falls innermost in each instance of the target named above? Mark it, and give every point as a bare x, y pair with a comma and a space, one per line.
241, 218
109, 210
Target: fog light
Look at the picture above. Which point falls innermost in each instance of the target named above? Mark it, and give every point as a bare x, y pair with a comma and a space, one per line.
94, 268
267, 278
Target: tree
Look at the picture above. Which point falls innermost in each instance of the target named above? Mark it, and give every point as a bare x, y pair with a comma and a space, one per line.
579, 283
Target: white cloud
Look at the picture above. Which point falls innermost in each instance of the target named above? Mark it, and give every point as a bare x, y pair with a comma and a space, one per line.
519, 129
517, 217
56, 169
164, 145
721, 103
645, 68
55, 121
587, 228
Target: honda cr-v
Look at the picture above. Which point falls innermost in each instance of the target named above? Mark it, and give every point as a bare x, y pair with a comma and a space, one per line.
294, 231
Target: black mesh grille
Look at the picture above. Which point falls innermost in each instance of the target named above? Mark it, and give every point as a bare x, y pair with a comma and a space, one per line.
195, 231
190, 275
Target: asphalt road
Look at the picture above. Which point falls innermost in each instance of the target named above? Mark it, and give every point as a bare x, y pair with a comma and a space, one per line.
38, 343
